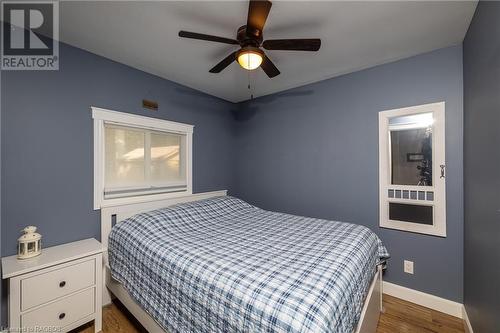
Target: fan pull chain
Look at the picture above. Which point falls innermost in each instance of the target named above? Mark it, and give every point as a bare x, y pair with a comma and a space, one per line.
249, 86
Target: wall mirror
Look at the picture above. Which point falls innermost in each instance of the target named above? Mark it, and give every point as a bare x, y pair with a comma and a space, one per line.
412, 169
411, 149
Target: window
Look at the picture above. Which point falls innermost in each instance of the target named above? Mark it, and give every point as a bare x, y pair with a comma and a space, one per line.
412, 169
139, 159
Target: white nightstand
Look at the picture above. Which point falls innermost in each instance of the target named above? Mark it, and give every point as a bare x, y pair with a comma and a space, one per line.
60, 289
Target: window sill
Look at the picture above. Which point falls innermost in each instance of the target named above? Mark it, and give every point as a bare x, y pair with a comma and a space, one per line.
103, 203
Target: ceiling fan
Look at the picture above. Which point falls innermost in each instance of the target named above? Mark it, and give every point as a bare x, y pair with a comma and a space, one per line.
250, 39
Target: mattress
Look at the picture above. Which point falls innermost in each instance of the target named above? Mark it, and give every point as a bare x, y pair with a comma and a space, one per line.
223, 265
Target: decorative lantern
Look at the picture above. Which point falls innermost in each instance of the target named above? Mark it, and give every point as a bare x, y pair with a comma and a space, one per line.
29, 244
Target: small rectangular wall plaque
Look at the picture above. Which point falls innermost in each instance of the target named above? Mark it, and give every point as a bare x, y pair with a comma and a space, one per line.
151, 105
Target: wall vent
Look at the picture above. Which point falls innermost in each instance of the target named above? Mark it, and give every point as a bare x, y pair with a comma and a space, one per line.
151, 105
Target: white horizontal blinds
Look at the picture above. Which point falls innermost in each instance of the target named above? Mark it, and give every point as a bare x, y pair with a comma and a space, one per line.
142, 161
124, 157
167, 158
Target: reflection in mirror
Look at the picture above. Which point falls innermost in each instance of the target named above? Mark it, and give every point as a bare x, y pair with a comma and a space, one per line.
411, 149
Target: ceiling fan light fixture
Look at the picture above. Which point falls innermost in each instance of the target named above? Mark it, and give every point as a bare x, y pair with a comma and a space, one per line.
250, 38
250, 58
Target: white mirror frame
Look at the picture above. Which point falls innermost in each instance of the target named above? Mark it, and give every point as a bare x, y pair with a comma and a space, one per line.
438, 185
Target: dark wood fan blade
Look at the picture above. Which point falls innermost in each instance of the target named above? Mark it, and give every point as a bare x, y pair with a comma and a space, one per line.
224, 63
292, 44
269, 68
258, 10
210, 38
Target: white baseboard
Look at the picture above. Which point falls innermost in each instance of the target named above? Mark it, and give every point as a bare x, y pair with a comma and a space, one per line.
467, 325
429, 301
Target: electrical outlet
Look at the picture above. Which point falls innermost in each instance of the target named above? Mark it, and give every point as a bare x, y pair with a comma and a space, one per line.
408, 266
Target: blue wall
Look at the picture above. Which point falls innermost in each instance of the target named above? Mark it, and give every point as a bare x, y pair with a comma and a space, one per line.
482, 165
1, 284
47, 147
310, 150
313, 151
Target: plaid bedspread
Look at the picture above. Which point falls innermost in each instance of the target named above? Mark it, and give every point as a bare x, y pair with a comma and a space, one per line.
223, 265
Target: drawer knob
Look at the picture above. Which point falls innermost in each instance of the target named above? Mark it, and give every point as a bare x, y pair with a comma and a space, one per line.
62, 284
62, 315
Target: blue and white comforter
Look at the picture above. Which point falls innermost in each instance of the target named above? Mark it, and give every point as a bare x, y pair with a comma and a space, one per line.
223, 265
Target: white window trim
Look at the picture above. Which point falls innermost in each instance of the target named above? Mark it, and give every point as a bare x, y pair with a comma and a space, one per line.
439, 184
100, 116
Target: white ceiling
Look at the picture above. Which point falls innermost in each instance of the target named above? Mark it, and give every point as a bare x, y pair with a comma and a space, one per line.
355, 35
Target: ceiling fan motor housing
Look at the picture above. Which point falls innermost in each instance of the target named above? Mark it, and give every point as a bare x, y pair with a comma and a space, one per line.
249, 38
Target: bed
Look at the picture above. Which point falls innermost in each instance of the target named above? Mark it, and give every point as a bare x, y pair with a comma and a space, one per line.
219, 264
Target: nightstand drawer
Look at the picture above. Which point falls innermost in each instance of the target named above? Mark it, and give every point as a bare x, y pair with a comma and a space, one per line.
63, 312
48, 286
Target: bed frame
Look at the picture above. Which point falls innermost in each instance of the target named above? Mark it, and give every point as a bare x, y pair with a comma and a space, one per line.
111, 215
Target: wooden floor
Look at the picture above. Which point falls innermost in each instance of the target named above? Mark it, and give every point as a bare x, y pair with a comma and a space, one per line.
405, 317
399, 317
